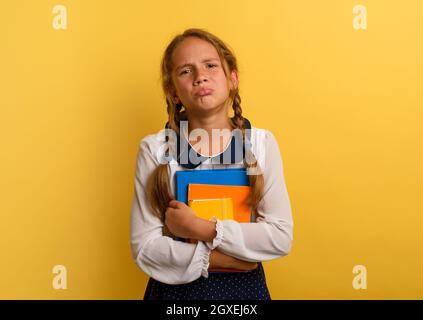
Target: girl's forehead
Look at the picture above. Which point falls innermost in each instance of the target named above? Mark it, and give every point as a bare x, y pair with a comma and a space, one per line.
194, 49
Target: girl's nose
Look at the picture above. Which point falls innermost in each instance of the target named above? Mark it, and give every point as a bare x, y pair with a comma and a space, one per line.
197, 82
200, 77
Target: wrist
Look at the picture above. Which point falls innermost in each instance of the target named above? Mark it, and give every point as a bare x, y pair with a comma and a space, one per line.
203, 230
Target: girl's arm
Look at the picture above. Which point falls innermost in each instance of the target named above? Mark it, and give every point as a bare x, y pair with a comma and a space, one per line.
218, 259
205, 230
159, 256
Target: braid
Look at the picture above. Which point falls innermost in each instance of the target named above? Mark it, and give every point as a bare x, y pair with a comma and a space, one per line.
174, 112
256, 181
238, 119
158, 184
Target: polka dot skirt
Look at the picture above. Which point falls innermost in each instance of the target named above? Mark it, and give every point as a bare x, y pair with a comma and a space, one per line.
218, 286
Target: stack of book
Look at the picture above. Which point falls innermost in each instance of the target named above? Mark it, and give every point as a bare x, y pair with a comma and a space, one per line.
220, 193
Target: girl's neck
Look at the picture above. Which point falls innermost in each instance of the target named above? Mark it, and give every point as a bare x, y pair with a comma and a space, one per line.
219, 120
210, 123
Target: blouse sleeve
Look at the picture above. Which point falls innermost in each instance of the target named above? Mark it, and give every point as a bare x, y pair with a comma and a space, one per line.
272, 234
161, 257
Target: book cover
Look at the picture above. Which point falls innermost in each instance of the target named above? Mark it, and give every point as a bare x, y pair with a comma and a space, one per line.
207, 208
238, 194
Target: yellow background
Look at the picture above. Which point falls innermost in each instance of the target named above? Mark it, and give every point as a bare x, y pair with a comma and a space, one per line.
344, 104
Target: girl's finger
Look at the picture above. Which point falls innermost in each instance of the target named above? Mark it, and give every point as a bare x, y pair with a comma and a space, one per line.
174, 204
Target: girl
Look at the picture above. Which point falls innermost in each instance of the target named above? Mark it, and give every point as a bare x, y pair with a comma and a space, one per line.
200, 74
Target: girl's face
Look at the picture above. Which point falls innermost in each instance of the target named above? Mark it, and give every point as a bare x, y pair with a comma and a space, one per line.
198, 77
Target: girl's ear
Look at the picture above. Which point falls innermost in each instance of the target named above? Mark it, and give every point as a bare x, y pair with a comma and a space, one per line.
234, 80
175, 99
173, 95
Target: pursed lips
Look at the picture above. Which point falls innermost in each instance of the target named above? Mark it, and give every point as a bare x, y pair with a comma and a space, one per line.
204, 92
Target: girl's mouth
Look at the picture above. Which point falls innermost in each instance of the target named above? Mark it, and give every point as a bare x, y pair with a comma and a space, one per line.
204, 92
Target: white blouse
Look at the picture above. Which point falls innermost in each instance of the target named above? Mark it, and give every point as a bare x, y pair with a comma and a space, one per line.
175, 262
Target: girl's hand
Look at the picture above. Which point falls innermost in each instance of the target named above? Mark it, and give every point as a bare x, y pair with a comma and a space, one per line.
180, 218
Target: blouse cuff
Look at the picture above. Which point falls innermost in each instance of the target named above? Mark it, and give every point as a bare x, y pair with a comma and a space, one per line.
219, 236
205, 260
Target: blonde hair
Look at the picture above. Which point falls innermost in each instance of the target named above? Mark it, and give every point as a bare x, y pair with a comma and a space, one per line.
158, 185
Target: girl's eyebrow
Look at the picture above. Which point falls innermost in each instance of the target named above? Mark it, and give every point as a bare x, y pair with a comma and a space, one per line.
190, 64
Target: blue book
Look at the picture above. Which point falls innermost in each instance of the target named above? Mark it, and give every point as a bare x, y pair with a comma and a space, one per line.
227, 177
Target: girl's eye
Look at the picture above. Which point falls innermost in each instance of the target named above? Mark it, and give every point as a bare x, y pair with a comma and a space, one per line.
186, 70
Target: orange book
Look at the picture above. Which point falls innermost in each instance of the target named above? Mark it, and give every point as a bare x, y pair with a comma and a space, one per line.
239, 195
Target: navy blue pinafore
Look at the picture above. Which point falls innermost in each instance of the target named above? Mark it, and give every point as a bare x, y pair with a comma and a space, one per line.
249, 285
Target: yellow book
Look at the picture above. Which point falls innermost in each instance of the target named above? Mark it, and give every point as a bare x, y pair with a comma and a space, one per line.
222, 208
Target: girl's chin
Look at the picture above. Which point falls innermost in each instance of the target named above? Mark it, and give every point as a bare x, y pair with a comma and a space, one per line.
205, 99
206, 102
204, 108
